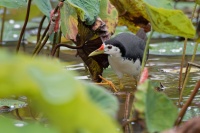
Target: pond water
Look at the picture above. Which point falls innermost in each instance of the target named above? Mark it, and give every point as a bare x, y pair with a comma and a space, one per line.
162, 69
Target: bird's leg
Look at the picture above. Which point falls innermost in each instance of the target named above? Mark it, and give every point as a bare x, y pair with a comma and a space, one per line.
107, 82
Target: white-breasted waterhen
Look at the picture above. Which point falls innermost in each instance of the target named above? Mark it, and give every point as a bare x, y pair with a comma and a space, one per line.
125, 53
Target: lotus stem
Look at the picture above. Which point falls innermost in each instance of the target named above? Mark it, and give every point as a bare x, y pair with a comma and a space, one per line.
65, 45
126, 112
182, 63
146, 49
24, 26
184, 108
181, 88
41, 45
54, 40
40, 28
41, 39
59, 41
187, 74
2, 24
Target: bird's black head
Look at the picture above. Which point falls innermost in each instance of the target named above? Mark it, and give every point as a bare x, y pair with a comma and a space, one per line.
118, 45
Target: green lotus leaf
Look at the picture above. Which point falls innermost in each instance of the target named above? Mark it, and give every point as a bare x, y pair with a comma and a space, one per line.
13, 3
13, 126
160, 111
174, 48
44, 6
104, 99
19, 14
156, 108
170, 21
12, 102
55, 92
86, 10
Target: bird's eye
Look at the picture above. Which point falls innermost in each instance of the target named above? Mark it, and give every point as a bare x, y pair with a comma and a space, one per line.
109, 47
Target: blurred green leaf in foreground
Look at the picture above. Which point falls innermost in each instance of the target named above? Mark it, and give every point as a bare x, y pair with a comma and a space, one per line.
66, 102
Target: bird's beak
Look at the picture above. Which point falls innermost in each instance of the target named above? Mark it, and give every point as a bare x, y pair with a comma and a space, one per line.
98, 51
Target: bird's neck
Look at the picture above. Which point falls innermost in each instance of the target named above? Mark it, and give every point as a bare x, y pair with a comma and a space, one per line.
116, 55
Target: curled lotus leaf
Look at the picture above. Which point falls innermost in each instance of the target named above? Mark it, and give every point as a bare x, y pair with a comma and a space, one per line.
132, 14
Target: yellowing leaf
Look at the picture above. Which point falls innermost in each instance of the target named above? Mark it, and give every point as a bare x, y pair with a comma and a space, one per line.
69, 22
132, 13
170, 21
167, 4
109, 15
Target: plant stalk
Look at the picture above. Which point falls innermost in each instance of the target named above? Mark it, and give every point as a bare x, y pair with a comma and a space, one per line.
42, 45
126, 113
40, 28
2, 25
65, 45
146, 49
184, 108
182, 63
187, 74
59, 41
180, 87
54, 40
24, 26
41, 39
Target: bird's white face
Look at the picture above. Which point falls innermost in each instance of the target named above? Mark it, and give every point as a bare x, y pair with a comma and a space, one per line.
111, 50
107, 49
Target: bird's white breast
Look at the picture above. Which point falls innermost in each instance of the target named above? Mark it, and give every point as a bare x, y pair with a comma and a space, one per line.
123, 66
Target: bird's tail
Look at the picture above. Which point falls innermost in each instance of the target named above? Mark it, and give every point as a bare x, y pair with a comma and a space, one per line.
142, 34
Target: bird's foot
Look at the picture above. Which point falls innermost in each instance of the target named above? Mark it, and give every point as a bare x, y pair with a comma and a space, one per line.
107, 82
